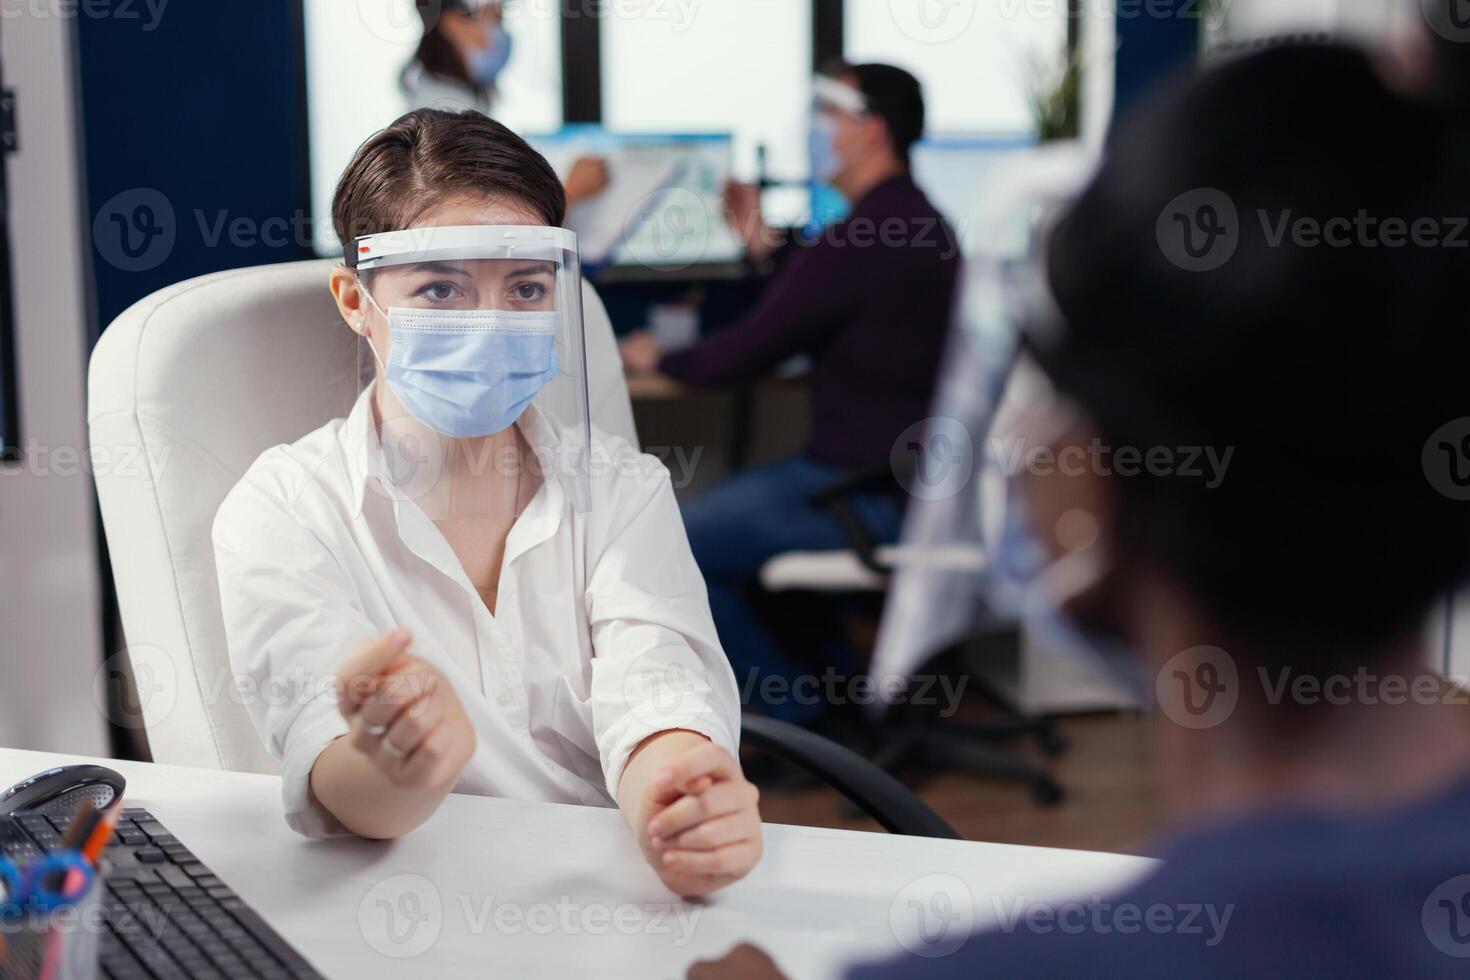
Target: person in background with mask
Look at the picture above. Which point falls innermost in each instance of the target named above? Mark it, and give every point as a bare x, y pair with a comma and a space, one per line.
869, 301
1315, 765
458, 63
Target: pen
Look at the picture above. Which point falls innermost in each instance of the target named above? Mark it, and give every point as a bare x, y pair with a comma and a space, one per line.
92, 846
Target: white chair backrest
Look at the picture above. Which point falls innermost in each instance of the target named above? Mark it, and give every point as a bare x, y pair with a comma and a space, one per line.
186, 389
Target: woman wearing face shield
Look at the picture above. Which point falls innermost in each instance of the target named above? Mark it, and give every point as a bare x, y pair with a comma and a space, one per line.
1271, 263
458, 65
478, 591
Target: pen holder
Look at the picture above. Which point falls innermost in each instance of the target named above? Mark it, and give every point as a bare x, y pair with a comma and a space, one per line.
54, 944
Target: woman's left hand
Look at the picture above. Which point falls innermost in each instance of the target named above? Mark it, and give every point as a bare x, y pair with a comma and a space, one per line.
704, 830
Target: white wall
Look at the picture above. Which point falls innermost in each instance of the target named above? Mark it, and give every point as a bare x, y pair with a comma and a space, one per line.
50, 627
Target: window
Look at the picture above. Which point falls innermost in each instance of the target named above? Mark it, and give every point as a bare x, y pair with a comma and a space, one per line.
978, 61
355, 54
737, 66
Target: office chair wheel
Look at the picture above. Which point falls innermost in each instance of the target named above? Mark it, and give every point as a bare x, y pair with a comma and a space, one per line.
1046, 791
1052, 742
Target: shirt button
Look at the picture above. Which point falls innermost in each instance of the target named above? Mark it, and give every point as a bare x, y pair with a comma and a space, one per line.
504, 699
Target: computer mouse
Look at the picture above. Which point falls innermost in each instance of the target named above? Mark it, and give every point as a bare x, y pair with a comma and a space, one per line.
57, 792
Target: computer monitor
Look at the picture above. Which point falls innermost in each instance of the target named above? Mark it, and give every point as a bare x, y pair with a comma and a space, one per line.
663, 211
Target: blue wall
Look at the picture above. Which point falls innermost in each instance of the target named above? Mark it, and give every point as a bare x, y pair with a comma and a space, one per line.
1155, 39
195, 142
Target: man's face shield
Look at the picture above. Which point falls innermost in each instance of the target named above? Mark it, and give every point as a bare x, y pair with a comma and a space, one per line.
834, 105
472, 330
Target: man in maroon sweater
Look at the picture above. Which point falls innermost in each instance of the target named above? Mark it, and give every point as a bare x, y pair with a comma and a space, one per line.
868, 300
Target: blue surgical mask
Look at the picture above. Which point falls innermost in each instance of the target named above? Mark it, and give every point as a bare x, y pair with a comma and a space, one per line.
826, 162
469, 373
486, 64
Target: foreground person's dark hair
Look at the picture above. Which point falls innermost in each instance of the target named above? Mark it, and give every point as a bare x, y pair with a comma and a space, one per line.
1327, 367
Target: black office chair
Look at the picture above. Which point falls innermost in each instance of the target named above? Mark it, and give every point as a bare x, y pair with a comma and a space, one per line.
909, 738
864, 785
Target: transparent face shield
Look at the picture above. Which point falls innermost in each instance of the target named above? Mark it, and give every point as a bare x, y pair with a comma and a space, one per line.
473, 342
831, 102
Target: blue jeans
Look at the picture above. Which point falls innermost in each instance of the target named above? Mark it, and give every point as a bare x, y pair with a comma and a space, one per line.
739, 523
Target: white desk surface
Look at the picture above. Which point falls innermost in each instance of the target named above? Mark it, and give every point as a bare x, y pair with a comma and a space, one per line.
492, 887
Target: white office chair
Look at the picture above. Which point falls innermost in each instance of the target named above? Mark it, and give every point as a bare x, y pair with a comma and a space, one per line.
186, 389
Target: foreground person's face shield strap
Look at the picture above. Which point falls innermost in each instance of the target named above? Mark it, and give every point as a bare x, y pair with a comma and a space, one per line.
483, 322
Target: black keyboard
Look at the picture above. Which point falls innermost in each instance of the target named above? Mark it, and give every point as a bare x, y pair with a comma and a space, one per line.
168, 916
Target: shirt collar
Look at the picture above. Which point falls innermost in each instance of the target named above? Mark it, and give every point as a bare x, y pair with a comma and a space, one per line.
367, 466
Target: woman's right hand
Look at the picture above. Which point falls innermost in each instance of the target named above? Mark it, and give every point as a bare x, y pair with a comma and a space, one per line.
588, 178
405, 717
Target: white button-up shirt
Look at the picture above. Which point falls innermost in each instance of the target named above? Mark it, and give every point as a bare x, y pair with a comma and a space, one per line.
602, 633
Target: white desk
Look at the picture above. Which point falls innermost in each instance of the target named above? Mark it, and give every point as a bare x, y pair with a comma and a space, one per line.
495, 887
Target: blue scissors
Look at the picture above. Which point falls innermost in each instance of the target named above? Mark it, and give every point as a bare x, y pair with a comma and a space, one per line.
47, 883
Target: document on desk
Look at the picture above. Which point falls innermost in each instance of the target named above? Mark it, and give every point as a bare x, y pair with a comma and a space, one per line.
637, 183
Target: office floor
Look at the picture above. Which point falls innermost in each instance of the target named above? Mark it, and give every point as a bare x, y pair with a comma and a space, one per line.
1108, 773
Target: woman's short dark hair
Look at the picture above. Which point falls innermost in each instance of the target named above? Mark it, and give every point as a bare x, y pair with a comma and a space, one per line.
429, 155
1325, 362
